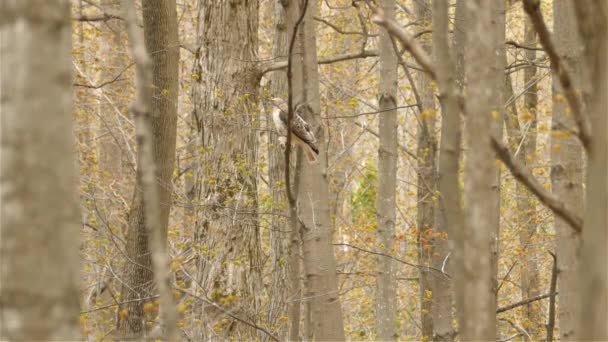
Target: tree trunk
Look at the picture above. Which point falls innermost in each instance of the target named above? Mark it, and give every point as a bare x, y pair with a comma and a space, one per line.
448, 219
285, 244
526, 205
39, 211
427, 178
313, 199
462, 16
160, 35
497, 65
566, 168
593, 295
225, 98
386, 298
480, 170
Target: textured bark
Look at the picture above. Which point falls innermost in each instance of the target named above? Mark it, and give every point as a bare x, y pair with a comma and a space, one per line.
496, 66
160, 35
142, 110
225, 101
285, 244
386, 299
593, 295
39, 213
480, 171
426, 152
566, 168
448, 219
313, 207
526, 205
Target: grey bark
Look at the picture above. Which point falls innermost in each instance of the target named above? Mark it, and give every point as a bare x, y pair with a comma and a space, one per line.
449, 218
160, 37
386, 298
225, 102
462, 28
497, 65
39, 214
566, 167
321, 285
593, 273
480, 172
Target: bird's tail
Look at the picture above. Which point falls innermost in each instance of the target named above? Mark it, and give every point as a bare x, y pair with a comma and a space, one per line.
311, 155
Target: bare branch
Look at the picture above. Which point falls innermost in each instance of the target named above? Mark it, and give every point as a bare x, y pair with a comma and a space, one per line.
525, 302
406, 40
532, 8
273, 66
527, 179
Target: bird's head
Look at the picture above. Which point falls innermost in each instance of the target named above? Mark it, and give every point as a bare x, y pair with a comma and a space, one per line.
277, 102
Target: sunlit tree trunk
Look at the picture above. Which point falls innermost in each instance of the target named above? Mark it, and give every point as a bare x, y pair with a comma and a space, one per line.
386, 298
566, 168
160, 35
39, 212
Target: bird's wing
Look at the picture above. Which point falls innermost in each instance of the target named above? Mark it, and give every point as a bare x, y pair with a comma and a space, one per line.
301, 128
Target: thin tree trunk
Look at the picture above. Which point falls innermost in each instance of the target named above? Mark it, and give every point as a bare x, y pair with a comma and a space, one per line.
313, 198
39, 211
593, 296
285, 244
480, 170
387, 186
226, 100
526, 205
449, 218
462, 28
160, 35
496, 31
566, 168
426, 152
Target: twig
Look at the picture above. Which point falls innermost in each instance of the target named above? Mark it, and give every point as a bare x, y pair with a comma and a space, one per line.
532, 8
525, 302
421, 267
527, 179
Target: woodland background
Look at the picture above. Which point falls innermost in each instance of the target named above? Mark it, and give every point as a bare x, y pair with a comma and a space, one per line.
461, 192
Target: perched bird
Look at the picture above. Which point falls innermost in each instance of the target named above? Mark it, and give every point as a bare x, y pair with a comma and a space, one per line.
302, 134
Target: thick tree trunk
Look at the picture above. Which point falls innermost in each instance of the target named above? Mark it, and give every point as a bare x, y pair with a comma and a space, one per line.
386, 298
427, 178
480, 169
448, 219
593, 296
160, 35
566, 168
39, 213
225, 98
313, 199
